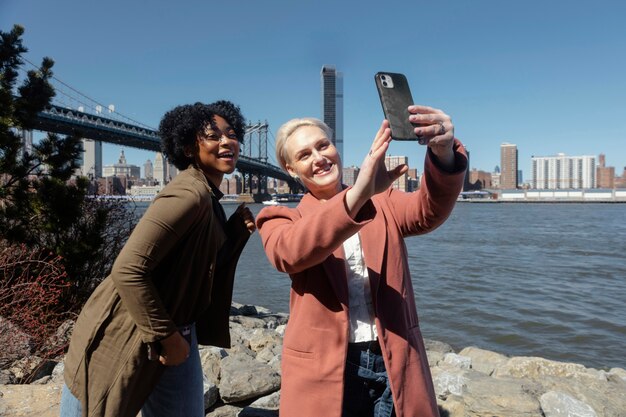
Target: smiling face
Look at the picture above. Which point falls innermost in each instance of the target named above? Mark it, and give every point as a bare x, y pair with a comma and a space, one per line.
311, 156
217, 150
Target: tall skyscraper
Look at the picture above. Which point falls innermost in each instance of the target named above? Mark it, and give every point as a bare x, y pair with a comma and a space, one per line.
508, 165
148, 170
332, 104
91, 163
159, 169
27, 141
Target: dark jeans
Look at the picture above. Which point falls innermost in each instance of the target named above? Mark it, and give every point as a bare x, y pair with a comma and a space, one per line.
366, 392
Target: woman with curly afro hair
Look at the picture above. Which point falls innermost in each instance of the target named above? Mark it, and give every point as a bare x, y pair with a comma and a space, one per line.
135, 343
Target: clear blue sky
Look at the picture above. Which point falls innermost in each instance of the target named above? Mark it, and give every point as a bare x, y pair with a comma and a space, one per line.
549, 76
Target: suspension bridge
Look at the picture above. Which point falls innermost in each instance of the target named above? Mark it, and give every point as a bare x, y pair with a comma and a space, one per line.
63, 116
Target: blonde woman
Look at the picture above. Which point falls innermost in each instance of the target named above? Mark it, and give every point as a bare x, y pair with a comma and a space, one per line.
353, 346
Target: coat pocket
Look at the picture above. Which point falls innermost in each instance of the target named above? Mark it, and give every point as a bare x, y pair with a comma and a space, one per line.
298, 353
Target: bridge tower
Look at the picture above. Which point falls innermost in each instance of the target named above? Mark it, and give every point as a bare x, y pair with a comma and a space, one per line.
255, 146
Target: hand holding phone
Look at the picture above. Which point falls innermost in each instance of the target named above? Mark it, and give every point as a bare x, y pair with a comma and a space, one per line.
395, 97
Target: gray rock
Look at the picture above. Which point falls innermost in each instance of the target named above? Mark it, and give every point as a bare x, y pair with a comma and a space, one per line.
61, 338
211, 394
486, 396
262, 338
607, 398
484, 361
534, 368
458, 361
434, 357
249, 322
31, 368
257, 412
57, 372
243, 378
619, 372
29, 400
248, 310
225, 411
448, 383
275, 363
558, 404
211, 358
16, 344
269, 353
6, 377
273, 321
436, 346
271, 402
281, 330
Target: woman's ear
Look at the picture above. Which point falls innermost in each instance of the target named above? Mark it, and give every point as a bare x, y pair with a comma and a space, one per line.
291, 172
190, 150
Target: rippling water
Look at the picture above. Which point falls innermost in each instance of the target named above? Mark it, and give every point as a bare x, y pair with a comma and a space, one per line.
543, 280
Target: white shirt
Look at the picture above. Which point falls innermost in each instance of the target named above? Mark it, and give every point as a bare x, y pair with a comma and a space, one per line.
360, 308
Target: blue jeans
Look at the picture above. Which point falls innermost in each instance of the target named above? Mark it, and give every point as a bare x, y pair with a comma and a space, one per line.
366, 386
179, 392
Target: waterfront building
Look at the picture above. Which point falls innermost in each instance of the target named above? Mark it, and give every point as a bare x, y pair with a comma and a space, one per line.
413, 180
144, 192
508, 165
159, 173
90, 164
232, 185
605, 176
112, 185
480, 179
148, 170
350, 174
620, 182
122, 169
393, 161
332, 104
171, 172
275, 186
495, 179
563, 172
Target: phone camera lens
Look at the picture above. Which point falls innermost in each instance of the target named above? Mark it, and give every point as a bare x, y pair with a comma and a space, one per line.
385, 83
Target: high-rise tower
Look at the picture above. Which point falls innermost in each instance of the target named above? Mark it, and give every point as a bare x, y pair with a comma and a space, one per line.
91, 163
332, 103
508, 165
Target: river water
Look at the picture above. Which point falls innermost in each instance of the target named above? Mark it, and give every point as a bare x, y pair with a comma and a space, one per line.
544, 280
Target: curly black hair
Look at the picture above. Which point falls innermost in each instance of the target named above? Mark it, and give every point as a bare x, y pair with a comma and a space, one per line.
180, 126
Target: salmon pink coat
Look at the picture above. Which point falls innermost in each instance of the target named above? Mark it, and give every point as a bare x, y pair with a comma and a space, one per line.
306, 242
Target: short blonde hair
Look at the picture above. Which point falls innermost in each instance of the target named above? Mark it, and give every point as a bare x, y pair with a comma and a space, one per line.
287, 130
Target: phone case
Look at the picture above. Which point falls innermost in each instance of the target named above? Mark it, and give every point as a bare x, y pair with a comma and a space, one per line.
395, 97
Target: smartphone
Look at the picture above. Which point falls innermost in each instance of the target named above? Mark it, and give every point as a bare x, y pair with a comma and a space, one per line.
395, 98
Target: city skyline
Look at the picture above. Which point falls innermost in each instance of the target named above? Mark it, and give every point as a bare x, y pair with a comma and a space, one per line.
548, 81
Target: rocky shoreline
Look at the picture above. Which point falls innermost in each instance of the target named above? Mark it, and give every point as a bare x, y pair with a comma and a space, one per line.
245, 380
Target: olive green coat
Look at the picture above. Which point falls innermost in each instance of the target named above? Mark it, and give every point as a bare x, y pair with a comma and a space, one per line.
176, 268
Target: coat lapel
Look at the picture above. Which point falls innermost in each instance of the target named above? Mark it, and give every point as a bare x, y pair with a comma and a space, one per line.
373, 240
334, 265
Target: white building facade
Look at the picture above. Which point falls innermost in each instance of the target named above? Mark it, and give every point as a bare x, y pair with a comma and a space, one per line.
563, 172
122, 169
91, 162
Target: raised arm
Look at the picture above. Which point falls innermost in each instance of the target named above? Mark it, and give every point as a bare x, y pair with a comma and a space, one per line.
294, 242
